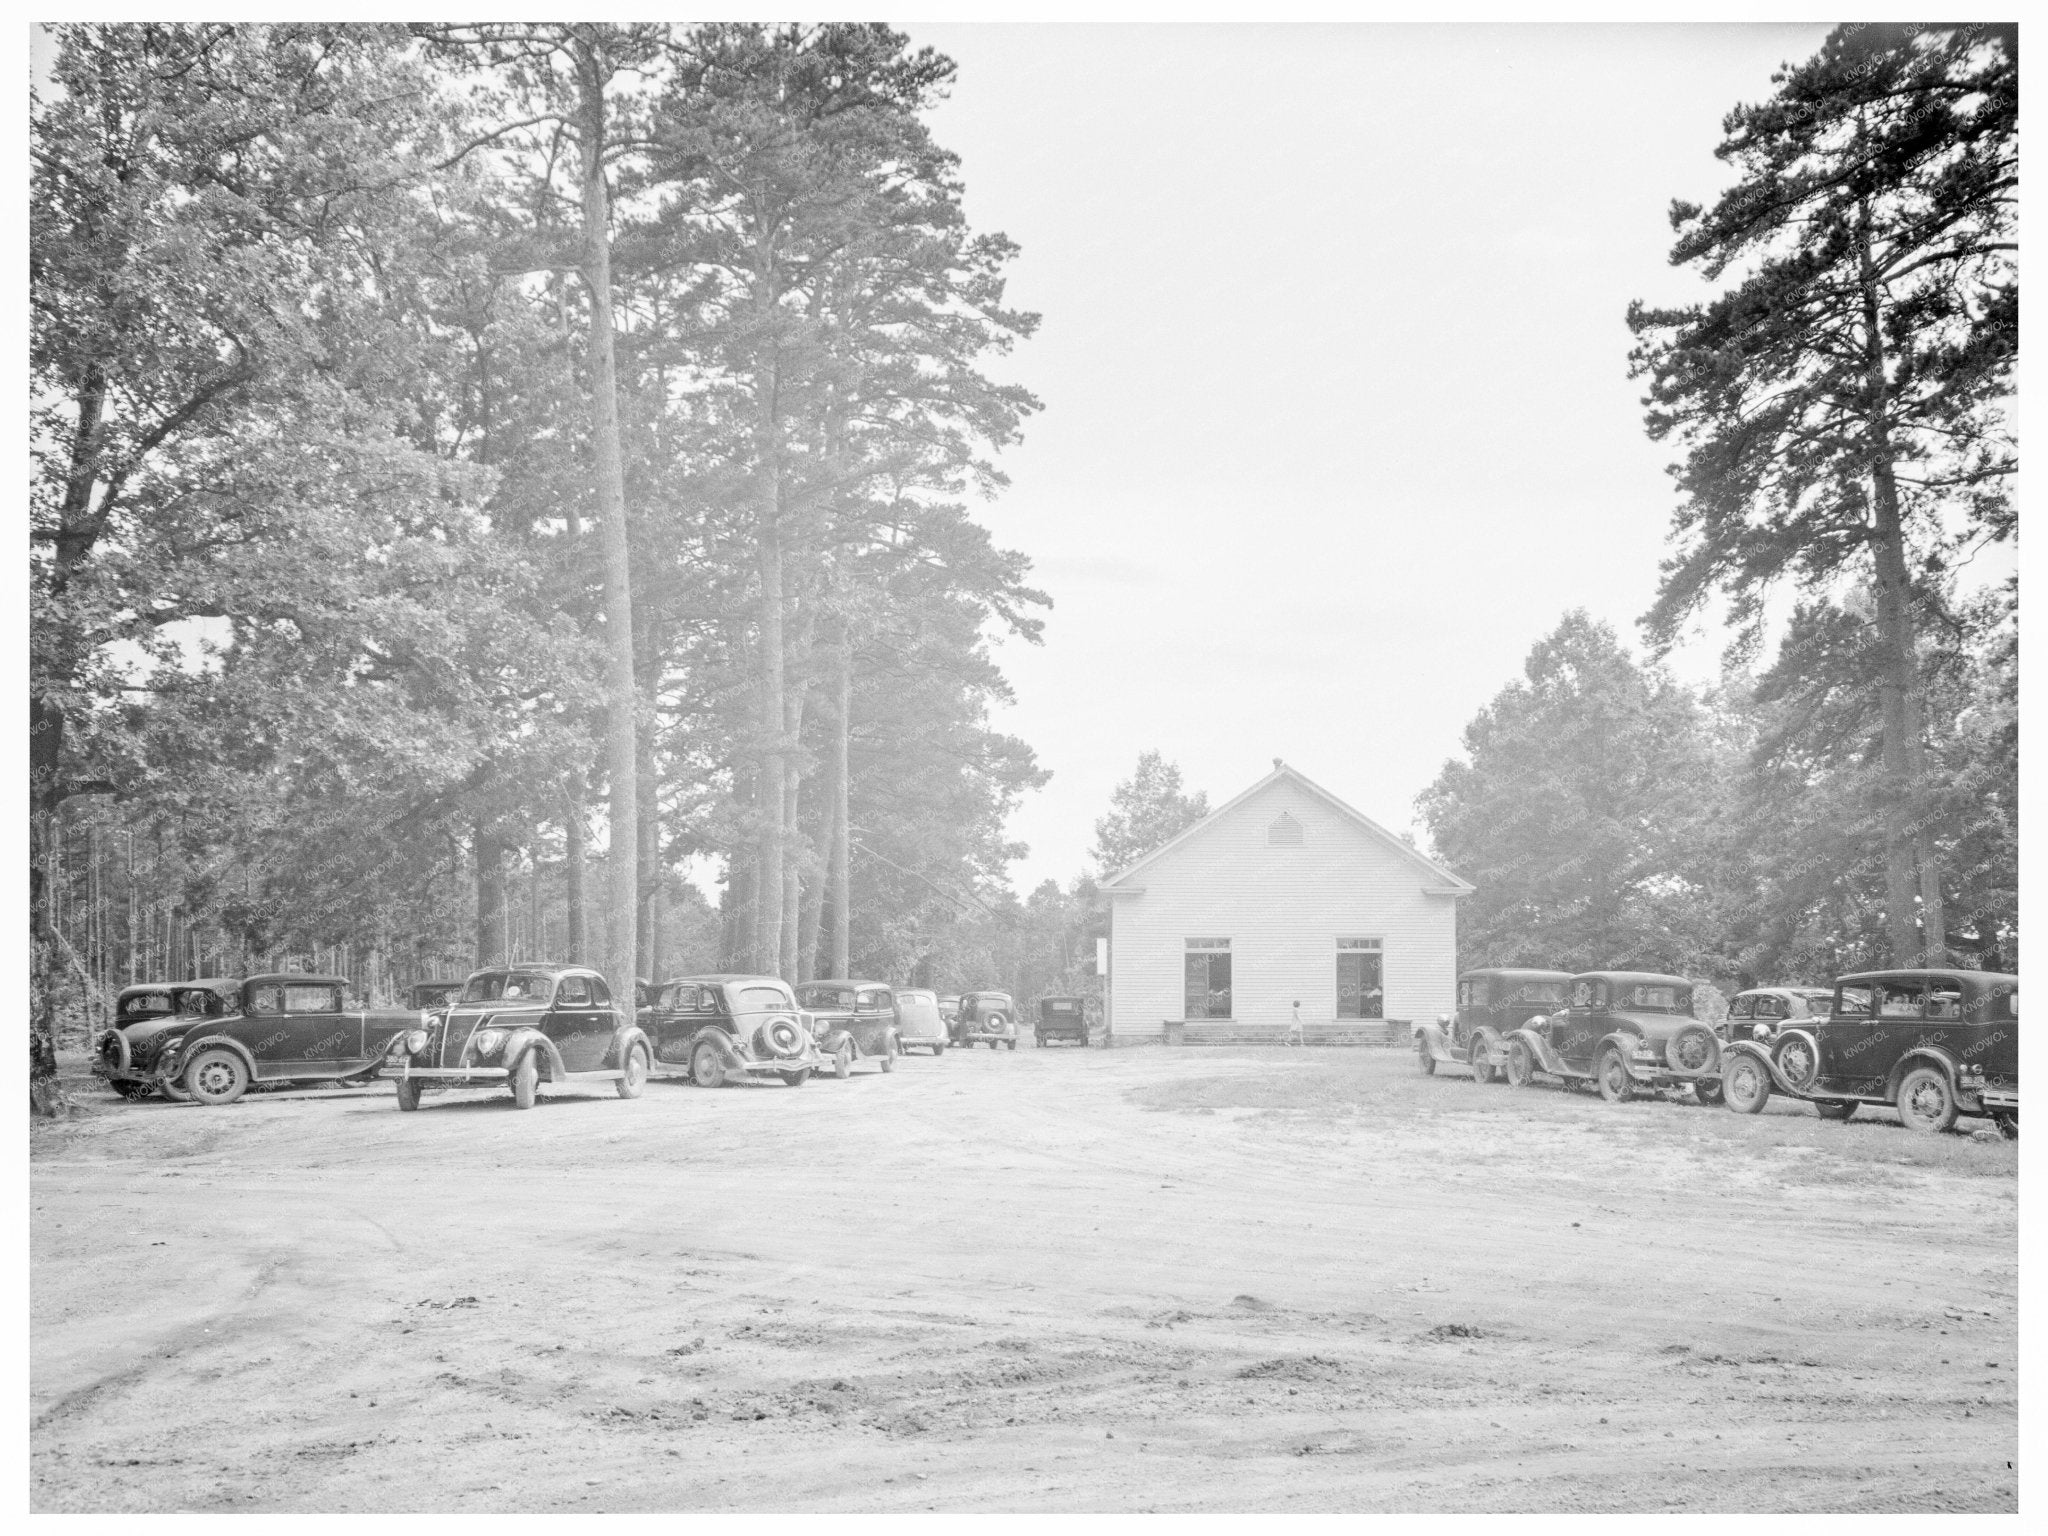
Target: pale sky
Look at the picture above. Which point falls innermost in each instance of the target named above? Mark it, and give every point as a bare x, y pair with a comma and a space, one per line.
1338, 418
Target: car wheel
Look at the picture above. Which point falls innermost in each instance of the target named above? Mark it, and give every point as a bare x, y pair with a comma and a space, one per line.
217, 1076
635, 1077
1482, 1069
707, 1067
2008, 1123
175, 1092
525, 1081
1521, 1065
1423, 1058
1834, 1109
1706, 1090
1616, 1086
1795, 1060
842, 1061
1926, 1102
1745, 1084
1011, 1042
797, 1079
408, 1093
939, 1050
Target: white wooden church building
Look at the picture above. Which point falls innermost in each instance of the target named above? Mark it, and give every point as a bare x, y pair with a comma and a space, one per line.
1284, 894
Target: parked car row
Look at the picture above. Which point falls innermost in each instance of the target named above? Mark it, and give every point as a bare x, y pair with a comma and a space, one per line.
1931, 1044
529, 1026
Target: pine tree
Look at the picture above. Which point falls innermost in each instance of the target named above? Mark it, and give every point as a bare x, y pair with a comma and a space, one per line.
1842, 406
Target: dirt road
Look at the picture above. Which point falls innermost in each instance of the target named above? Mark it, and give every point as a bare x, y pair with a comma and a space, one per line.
1143, 1279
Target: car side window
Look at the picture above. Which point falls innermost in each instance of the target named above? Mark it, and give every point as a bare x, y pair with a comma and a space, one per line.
266, 1000
574, 992
1944, 999
873, 999
1582, 994
600, 994
1854, 1002
1742, 1008
1770, 1008
1899, 999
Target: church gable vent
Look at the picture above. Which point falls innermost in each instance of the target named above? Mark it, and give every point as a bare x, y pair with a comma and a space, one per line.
1285, 832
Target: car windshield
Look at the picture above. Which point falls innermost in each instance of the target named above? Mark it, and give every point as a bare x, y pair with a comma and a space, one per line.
508, 987
1535, 992
825, 997
761, 999
1654, 997
198, 1002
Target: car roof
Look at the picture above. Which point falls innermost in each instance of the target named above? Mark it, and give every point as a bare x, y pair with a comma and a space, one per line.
708, 977
1786, 992
985, 992
840, 981
1661, 978
537, 967
136, 988
1981, 978
275, 976
1515, 973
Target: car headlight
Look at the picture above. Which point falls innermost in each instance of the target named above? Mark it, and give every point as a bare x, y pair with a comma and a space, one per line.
415, 1041
486, 1041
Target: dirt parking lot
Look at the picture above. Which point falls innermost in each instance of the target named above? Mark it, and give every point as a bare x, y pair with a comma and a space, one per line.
1061, 1280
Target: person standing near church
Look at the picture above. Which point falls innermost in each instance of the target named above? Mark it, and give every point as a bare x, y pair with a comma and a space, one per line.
1294, 1029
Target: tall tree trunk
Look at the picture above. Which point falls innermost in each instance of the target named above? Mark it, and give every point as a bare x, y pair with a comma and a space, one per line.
811, 914
650, 858
842, 835
769, 799
1909, 842
622, 874
574, 853
490, 898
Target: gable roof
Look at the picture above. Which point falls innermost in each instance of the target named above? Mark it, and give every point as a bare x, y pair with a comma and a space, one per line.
1442, 881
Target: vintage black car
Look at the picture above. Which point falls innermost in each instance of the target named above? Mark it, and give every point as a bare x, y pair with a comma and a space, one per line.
1492, 1002
138, 1004
523, 1025
989, 1016
1761, 1012
728, 1026
1933, 1044
919, 1023
429, 995
851, 1021
1621, 1031
1061, 1018
230, 1034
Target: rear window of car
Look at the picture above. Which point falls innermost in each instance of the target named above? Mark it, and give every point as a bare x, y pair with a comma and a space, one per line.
1536, 992
1654, 998
145, 1004
300, 998
823, 997
914, 996
874, 997
762, 1000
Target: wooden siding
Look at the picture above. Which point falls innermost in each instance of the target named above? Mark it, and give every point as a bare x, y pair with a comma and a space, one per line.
1283, 909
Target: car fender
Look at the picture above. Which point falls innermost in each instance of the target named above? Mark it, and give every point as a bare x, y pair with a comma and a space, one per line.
722, 1042
1926, 1056
1757, 1053
1433, 1038
1539, 1051
526, 1038
192, 1048
829, 1038
634, 1035
1627, 1041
